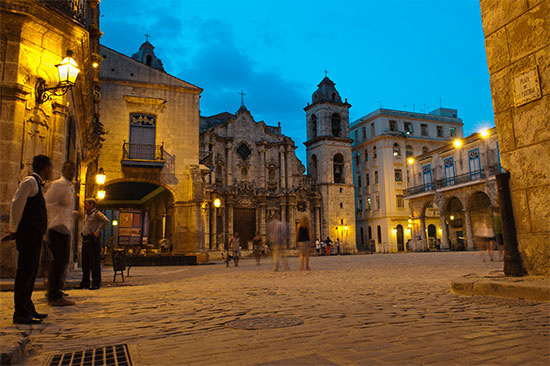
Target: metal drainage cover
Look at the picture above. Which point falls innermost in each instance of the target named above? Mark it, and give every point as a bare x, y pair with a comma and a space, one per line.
264, 322
101, 356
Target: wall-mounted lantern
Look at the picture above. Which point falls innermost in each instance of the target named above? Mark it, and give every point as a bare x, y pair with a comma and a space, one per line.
217, 203
68, 71
100, 177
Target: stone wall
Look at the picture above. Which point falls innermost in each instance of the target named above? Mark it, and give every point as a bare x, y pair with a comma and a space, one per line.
517, 38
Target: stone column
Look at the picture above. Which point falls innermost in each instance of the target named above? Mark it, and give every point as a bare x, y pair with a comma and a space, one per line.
469, 231
444, 232
229, 223
424, 242
207, 216
283, 169
262, 223
261, 182
169, 224
318, 220
285, 156
284, 220
292, 222
228, 166
214, 226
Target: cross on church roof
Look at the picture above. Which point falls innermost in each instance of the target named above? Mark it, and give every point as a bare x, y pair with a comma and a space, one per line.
242, 97
326, 73
147, 35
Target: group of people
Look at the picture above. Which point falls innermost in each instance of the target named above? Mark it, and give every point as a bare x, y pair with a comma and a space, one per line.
39, 211
325, 247
277, 232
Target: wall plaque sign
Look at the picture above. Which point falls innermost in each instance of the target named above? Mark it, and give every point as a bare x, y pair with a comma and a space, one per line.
526, 86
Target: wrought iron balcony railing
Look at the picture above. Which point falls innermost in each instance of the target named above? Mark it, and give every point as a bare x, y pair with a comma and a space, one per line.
144, 154
452, 181
76, 10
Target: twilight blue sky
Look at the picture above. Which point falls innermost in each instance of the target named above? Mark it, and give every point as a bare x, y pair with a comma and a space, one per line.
388, 53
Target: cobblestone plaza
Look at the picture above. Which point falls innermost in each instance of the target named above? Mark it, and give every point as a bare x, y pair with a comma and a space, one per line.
393, 309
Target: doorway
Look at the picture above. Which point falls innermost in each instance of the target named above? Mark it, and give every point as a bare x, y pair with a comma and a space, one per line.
244, 222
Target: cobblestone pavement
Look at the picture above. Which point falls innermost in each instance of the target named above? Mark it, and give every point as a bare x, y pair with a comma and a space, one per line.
382, 309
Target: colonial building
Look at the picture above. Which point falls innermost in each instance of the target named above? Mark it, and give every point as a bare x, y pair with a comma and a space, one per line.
36, 36
450, 189
383, 141
150, 156
255, 175
328, 148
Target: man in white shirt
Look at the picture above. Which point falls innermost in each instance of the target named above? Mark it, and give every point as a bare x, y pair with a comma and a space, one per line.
60, 204
28, 223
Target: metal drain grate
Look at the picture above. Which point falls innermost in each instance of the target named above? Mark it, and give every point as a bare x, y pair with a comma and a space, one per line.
101, 356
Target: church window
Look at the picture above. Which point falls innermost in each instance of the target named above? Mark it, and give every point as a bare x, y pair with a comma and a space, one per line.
356, 135
439, 131
372, 130
374, 152
367, 180
313, 126
398, 175
400, 202
379, 234
424, 129
359, 181
338, 168
333, 97
243, 151
366, 155
149, 60
393, 125
336, 125
376, 177
341, 205
358, 159
364, 130
452, 131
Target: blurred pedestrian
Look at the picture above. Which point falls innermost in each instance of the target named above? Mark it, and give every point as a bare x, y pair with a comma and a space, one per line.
276, 232
497, 229
318, 246
484, 236
338, 246
329, 246
303, 241
91, 249
60, 204
235, 247
257, 245
28, 224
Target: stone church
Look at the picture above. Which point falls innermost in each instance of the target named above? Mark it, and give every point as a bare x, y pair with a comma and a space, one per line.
255, 175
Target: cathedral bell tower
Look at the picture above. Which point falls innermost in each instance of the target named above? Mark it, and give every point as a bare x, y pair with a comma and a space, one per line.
328, 148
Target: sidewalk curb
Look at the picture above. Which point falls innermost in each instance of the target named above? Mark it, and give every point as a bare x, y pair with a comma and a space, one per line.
497, 285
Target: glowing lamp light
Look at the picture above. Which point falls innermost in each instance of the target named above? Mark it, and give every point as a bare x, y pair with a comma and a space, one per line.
410, 225
395, 153
95, 65
345, 227
410, 161
484, 133
451, 217
394, 231
410, 221
68, 70
217, 203
440, 231
100, 195
100, 177
457, 143
408, 231
115, 222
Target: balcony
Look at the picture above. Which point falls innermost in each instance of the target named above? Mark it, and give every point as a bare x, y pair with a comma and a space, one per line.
453, 181
76, 10
144, 155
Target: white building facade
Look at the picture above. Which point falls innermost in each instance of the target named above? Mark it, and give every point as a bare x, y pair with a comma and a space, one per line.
382, 142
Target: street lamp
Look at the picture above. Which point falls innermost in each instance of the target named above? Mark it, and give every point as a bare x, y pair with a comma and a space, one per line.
410, 160
100, 177
217, 203
457, 143
484, 133
100, 194
68, 71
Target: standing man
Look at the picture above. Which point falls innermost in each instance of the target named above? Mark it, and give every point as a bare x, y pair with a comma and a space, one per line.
28, 223
91, 251
60, 204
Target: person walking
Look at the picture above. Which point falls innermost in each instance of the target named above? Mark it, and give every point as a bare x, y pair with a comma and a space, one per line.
276, 234
257, 247
60, 205
318, 246
93, 225
303, 241
329, 246
235, 246
338, 246
28, 224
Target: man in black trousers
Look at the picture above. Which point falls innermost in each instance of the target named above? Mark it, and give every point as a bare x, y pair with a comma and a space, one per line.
28, 223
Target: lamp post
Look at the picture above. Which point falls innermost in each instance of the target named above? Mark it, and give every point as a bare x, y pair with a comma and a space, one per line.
68, 71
